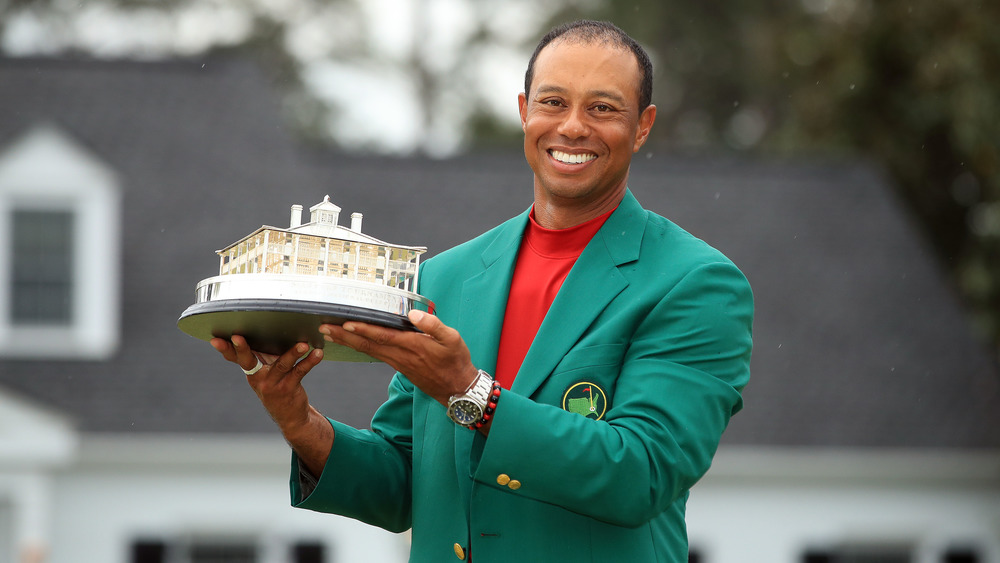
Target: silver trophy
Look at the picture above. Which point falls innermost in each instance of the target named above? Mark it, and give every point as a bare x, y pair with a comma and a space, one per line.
277, 286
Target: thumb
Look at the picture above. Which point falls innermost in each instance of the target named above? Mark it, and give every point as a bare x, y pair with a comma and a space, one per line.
428, 324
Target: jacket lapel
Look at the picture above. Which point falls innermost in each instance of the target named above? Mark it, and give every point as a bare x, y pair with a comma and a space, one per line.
484, 296
592, 283
484, 301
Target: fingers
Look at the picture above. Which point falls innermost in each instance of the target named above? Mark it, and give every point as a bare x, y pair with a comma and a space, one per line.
436, 359
287, 361
231, 351
309, 361
224, 347
297, 359
432, 326
245, 357
375, 341
290, 368
365, 337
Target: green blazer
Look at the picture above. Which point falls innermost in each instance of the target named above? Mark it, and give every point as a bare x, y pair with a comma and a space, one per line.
615, 413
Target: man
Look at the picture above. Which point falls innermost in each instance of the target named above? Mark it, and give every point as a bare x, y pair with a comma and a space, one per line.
619, 342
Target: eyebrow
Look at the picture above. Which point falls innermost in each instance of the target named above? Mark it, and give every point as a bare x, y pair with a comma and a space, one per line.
613, 96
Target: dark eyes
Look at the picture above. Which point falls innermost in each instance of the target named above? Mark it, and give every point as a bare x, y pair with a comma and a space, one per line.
600, 108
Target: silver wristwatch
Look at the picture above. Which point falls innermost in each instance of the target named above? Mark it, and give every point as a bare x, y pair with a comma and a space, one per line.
467, 408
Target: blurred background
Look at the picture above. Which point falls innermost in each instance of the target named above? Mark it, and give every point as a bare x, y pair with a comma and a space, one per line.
911, 85
844, 153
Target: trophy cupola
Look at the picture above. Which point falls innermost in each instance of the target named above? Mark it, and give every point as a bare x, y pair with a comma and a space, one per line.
325, 213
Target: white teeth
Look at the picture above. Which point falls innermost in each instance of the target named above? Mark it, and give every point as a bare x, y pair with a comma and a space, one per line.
567, 158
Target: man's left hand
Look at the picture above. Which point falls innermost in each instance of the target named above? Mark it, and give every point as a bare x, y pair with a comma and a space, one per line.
435, 359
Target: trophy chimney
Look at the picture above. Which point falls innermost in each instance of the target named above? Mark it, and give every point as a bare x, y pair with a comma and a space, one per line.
356, 222
296, 217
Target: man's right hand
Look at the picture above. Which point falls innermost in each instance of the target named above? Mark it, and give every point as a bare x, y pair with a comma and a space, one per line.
278, 385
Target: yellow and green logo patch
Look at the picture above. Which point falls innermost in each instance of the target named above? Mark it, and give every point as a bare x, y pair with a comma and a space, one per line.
586, 398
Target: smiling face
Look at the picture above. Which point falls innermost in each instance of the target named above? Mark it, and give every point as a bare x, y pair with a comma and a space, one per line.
582, 125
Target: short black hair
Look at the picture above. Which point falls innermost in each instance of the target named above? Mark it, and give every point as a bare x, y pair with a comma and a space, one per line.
590, 31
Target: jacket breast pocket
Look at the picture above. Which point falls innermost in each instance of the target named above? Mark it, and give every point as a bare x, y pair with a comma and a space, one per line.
585, 372
591, 357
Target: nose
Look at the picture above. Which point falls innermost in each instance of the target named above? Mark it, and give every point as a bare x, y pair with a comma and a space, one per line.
574, 124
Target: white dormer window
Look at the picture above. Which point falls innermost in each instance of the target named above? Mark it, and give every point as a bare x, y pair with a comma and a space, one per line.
59, 249
325, 215
41, 281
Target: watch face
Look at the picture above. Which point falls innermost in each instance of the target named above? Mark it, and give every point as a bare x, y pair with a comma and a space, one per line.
465, 412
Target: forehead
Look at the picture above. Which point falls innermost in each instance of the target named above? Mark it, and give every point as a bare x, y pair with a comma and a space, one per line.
574, 65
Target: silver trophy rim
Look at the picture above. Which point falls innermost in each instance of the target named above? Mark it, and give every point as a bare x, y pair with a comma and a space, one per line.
292, 287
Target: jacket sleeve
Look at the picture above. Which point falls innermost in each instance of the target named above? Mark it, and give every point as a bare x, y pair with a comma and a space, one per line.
367, 475
679, 383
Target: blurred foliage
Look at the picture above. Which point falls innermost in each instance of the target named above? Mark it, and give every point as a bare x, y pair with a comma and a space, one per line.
911, 84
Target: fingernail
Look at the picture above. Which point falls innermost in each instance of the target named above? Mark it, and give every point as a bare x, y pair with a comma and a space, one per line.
349, 327
416, 315
324, 330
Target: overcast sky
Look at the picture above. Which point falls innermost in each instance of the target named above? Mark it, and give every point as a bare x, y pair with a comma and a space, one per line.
356, 55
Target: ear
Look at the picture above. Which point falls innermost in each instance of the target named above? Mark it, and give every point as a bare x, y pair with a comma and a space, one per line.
646, 120
522, 107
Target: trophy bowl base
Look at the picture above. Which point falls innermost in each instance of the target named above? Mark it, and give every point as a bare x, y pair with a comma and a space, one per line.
274, 326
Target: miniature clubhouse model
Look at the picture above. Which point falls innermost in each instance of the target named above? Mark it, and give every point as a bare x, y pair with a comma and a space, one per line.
276, 286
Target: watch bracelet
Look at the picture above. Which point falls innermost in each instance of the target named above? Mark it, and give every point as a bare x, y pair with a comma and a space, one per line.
479, 392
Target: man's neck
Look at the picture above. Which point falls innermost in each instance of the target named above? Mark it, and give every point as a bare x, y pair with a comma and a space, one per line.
557, 215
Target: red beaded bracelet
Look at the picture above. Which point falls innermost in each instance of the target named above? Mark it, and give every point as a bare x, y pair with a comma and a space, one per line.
491, 406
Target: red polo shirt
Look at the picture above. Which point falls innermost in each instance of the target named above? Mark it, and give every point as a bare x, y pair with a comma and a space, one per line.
543, 262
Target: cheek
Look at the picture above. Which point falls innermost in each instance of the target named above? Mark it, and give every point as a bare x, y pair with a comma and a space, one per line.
532, 126
530, 139
537, 124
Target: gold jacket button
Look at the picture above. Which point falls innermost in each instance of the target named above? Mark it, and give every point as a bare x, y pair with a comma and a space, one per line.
459, 552
503, 479
514, 484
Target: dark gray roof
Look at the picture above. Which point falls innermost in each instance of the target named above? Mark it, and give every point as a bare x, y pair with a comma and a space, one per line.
859, 338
